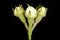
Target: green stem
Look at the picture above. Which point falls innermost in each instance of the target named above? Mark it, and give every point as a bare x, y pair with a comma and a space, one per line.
30, 21
29, 35
26, 26
38, 19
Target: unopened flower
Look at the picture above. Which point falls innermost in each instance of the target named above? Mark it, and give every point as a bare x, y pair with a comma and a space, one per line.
30, 12
18, 11
42, 11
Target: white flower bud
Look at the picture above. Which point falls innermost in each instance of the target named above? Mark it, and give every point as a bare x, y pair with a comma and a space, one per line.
30, 12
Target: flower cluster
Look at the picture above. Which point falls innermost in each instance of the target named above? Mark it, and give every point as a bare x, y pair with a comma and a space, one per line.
30, 13
34, 16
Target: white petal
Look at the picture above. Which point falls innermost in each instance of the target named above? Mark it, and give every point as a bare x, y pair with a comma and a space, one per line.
32, 10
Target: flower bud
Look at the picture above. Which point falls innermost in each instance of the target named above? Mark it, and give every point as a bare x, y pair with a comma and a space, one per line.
30, 12
18, 12
42, 11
